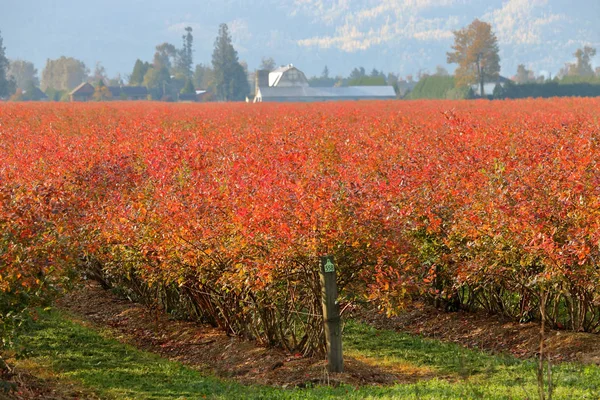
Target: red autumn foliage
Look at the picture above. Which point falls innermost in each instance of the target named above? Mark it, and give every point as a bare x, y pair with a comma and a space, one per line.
221, 211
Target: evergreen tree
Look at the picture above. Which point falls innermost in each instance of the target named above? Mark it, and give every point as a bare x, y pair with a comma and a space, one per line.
231, 82
185, 59
7, 86
203, 76
188, 88
139, 70
357, 73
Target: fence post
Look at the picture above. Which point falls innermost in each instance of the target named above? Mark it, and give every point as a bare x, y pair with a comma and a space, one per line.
331, 315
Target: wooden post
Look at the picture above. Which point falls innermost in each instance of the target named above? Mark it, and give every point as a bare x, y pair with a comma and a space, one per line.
331, 315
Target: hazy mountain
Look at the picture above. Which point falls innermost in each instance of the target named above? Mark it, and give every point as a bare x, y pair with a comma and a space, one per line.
402, 36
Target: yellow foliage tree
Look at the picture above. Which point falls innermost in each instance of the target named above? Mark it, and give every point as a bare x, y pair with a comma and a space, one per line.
476, 53
102, 93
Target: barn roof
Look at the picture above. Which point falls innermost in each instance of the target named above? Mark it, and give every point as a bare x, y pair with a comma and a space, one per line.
83, 88
129, 91
350, 92
295, 77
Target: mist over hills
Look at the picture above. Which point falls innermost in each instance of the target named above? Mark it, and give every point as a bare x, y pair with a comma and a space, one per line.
400, 36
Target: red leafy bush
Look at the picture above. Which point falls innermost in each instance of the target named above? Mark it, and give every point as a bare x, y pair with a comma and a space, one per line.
221, 211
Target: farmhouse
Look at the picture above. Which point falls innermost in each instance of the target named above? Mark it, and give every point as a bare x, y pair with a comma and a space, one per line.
128, 92
36, 94
289, 84
85, 92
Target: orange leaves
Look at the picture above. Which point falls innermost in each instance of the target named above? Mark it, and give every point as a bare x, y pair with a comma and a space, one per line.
186, 193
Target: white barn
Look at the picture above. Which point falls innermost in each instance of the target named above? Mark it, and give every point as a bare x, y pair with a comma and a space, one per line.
289, 84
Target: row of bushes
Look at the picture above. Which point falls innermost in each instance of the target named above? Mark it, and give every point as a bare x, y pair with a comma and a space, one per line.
443, 87
546, 90
221, 212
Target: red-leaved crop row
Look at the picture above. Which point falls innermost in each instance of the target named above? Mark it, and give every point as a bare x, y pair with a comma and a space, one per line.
221, 211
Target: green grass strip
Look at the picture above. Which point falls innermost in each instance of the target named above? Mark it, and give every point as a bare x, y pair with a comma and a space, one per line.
113, 370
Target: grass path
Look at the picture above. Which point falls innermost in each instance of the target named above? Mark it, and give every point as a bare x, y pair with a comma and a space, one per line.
74, 353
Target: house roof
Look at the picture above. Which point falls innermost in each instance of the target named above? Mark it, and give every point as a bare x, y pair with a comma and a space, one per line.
129, 91
188, 97
83, 88
350, 92
37, 93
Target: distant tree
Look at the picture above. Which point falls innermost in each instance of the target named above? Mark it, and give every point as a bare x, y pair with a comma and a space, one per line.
325, 80
582, 66
203, 76
164, 56
157, 81
23, 72
7, 85
64, 74
367, 81
476, 53
188, 88
403, 87
139, 70
55, 94
244, 65
357, 73
392, 78
441, 71
499, 92
184, 58
158, 76
230, 79
438, 87
267, 63
597, 72
116, 81
101, 92
320, 81
99, 73
524, 75
30, 92
422, 73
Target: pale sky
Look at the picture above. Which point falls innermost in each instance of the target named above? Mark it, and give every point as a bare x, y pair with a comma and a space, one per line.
400, 36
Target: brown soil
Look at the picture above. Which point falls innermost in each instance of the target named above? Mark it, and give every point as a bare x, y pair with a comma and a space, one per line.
489, 332
210, 349
33, 385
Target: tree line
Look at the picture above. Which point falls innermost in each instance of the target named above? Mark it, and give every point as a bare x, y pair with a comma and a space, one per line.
172, 74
